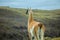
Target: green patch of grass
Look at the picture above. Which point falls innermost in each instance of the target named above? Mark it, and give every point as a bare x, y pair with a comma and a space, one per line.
49, 38
57, 38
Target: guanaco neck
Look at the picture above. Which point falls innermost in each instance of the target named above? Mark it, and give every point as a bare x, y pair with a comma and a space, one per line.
30, 19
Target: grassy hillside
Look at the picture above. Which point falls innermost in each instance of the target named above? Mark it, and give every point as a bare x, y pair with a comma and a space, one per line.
13, 23
12, 15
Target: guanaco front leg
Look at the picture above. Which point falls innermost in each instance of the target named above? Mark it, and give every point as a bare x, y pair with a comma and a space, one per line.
32, 33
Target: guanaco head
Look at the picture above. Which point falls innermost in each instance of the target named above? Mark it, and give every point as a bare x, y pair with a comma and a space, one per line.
29, 11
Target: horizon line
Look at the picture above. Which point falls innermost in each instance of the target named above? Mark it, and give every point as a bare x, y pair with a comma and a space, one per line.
29, 7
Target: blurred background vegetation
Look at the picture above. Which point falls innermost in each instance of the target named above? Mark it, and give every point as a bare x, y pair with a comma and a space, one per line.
13, 23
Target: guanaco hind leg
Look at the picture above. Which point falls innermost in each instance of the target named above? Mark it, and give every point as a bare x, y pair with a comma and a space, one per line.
38, 37
39, 33
42, 34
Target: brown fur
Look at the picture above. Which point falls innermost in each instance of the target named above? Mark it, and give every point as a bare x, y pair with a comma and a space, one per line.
32, 22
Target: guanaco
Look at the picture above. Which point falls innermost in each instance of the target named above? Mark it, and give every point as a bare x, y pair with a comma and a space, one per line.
35, 29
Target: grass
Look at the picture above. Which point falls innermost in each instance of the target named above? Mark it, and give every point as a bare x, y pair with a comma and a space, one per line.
58, 38
13, 18
49, 38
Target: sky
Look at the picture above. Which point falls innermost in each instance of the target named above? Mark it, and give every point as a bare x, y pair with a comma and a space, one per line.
34, 4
